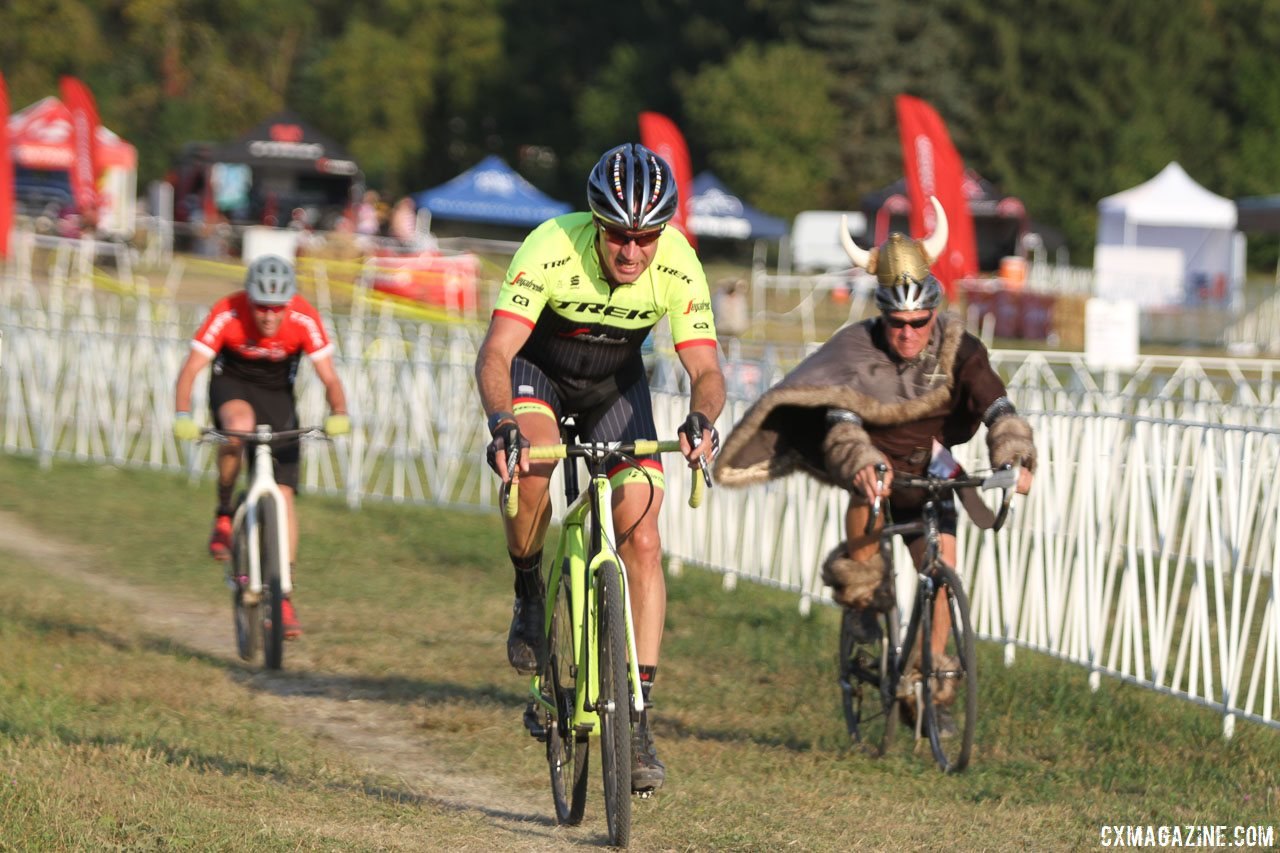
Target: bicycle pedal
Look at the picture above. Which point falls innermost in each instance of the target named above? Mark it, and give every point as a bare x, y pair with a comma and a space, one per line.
534, 724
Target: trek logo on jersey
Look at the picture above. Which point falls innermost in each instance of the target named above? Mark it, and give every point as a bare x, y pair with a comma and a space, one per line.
605, 310
550, 265
273, 352
674, 273
697, 307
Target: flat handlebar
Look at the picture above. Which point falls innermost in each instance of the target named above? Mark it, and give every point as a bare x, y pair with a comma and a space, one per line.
599, 451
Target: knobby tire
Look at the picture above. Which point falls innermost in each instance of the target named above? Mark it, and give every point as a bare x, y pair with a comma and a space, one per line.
614, 704
567, 750
951, 753
273, 595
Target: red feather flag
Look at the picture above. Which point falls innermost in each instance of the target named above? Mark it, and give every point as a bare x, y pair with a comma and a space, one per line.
933, 168
84, 144
6, 173
661, 134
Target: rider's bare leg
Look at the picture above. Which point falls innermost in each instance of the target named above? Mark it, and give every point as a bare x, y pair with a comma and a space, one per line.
641, 552
941, 609
237, 416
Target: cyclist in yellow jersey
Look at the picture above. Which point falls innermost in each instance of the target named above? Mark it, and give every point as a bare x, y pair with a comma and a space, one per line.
579, 299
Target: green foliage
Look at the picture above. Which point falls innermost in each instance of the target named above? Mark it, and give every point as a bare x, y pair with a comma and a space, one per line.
767, 119
1059, 102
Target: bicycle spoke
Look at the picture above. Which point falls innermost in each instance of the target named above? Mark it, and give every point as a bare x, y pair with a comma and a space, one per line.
867, 681
950, 682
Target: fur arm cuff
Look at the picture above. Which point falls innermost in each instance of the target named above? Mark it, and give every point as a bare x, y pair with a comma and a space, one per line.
1009, 441
846, 450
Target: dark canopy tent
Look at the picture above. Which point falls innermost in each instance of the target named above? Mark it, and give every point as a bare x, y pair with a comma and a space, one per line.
1258, 214
998, 220
280, 164
715, 212
491, 192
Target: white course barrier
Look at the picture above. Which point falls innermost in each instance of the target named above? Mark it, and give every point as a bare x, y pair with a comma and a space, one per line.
1146, 551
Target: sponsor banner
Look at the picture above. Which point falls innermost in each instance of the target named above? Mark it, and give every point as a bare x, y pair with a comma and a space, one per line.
661, 134
933, 168
6, 173
84, 143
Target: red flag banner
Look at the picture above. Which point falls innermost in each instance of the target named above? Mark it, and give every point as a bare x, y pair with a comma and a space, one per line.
661, 134
933, 168
84, 143
6, 173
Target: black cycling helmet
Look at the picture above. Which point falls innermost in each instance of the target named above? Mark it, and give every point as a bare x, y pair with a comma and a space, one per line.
632, 188
270, 281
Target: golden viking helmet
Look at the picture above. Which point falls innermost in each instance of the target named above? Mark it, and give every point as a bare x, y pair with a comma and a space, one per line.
901, 265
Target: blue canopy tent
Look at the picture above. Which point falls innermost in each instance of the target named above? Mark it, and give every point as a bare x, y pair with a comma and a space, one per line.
717, 213
491, 192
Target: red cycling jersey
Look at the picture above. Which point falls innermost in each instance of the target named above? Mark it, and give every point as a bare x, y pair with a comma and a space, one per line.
230, 336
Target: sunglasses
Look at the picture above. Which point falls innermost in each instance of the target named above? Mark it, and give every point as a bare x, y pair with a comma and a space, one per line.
269, 309
621, 237
899, 323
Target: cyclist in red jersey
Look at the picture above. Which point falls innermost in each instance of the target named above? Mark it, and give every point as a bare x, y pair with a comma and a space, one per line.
254, 339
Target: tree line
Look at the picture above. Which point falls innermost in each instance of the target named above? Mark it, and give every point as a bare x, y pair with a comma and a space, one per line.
1059, 102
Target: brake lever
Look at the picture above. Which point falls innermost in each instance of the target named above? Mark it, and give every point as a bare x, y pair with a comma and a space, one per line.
1005, 478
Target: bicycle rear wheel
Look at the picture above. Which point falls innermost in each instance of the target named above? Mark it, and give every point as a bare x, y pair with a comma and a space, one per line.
868, 677
567, 751
272, 594
614, 704
950, 680
246, 615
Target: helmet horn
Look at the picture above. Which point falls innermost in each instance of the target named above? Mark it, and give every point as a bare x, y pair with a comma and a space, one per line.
937, 241
861, 257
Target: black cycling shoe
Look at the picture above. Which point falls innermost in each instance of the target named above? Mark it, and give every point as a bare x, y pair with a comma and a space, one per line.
524, 640
647, 770
946, 723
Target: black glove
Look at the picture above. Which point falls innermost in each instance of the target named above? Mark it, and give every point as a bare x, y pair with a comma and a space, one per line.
506, 439
694, 426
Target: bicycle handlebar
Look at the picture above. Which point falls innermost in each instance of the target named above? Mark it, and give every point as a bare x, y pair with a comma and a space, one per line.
599, 451
266, 436
1004, 477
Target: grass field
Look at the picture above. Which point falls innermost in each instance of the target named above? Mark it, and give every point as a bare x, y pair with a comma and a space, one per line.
127, 723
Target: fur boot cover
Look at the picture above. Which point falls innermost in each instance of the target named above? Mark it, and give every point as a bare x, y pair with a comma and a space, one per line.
1009, 441
859, 584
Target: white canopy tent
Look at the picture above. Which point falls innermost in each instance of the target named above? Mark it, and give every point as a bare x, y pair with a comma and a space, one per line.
1171, 224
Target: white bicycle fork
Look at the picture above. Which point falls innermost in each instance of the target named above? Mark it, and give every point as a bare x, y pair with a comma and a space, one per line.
263, 486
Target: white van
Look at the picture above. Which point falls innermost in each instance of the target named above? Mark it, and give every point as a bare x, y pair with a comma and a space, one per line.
815, 239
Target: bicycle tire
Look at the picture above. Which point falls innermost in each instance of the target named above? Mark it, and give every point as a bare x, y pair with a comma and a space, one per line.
246, 617
614, 704
956, 673
868, 678
567, 750
273, 595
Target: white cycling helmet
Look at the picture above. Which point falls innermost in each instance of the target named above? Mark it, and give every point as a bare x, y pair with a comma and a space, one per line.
270, 281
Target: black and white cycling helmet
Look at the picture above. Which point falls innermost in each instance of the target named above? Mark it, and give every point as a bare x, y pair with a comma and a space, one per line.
632, 188
270, 281
901, 265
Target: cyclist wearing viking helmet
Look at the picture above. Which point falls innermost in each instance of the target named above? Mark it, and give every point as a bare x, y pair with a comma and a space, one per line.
883, 391
580, 297
254, 338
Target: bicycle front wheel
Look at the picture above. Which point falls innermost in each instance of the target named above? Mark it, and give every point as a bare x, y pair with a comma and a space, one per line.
614, 704
246, 614
868, 677
273, 595
950, 679
567, 750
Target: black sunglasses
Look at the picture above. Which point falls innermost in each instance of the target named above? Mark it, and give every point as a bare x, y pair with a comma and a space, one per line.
898, 322
621, 237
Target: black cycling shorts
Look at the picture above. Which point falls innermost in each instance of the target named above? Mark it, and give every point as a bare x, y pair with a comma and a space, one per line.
623, 413
273, 407
904, 511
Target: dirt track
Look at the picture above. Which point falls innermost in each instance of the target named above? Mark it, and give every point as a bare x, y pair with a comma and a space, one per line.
377, 736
